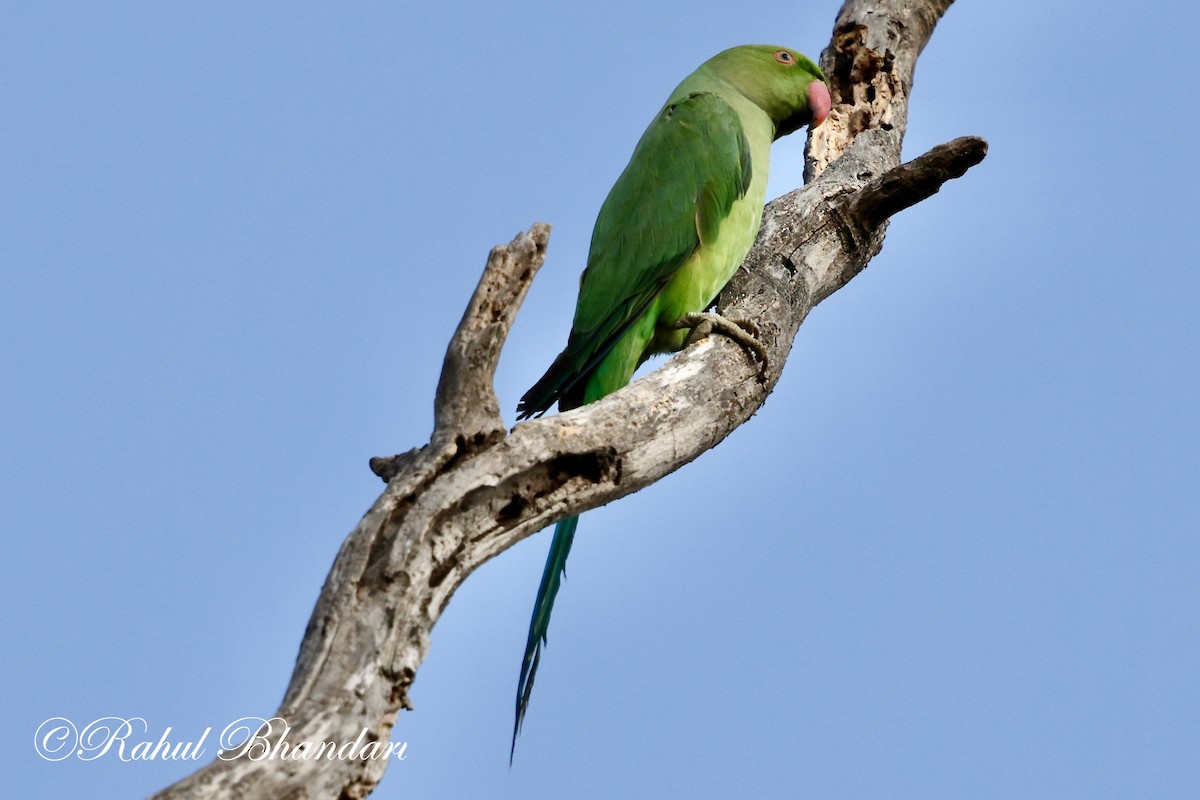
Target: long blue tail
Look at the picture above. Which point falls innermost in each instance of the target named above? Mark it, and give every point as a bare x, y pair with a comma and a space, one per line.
556, 565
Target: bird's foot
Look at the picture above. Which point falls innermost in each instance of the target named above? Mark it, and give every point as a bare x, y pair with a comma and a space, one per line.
742, 331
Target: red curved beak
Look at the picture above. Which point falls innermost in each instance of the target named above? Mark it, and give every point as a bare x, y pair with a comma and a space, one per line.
819, 102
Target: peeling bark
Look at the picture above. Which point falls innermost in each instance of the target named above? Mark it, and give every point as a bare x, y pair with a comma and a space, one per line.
476, 489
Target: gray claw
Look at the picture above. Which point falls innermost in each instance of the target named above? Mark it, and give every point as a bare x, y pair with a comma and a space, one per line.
742, 331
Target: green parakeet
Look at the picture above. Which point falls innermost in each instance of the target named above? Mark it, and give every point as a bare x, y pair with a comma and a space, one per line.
674, 229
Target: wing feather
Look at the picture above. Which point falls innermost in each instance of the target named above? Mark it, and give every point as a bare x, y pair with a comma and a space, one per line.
690, 166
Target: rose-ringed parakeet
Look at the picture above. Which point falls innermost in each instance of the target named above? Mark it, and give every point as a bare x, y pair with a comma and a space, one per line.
674, 228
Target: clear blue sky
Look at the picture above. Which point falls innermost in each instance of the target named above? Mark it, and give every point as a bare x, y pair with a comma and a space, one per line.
955, 555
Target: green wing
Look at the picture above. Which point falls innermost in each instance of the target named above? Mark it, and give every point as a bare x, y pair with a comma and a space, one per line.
689, 168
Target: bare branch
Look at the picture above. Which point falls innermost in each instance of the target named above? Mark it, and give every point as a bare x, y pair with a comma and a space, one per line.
870, 64
473, 491
466, 403
908, 184
466, 413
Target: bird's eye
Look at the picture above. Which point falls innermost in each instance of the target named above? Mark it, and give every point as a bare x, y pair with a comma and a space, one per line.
784, 57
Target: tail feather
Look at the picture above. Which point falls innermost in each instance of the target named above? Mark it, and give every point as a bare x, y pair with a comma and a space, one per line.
539, 623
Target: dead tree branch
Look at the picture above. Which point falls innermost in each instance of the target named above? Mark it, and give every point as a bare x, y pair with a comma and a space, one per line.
476, 489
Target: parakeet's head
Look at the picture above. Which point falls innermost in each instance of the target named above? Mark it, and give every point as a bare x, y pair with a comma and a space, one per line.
782, 82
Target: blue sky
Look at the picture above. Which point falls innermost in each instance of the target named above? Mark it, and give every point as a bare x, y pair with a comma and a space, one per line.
955, 555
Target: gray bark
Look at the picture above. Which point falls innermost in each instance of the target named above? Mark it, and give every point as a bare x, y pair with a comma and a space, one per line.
477, 488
